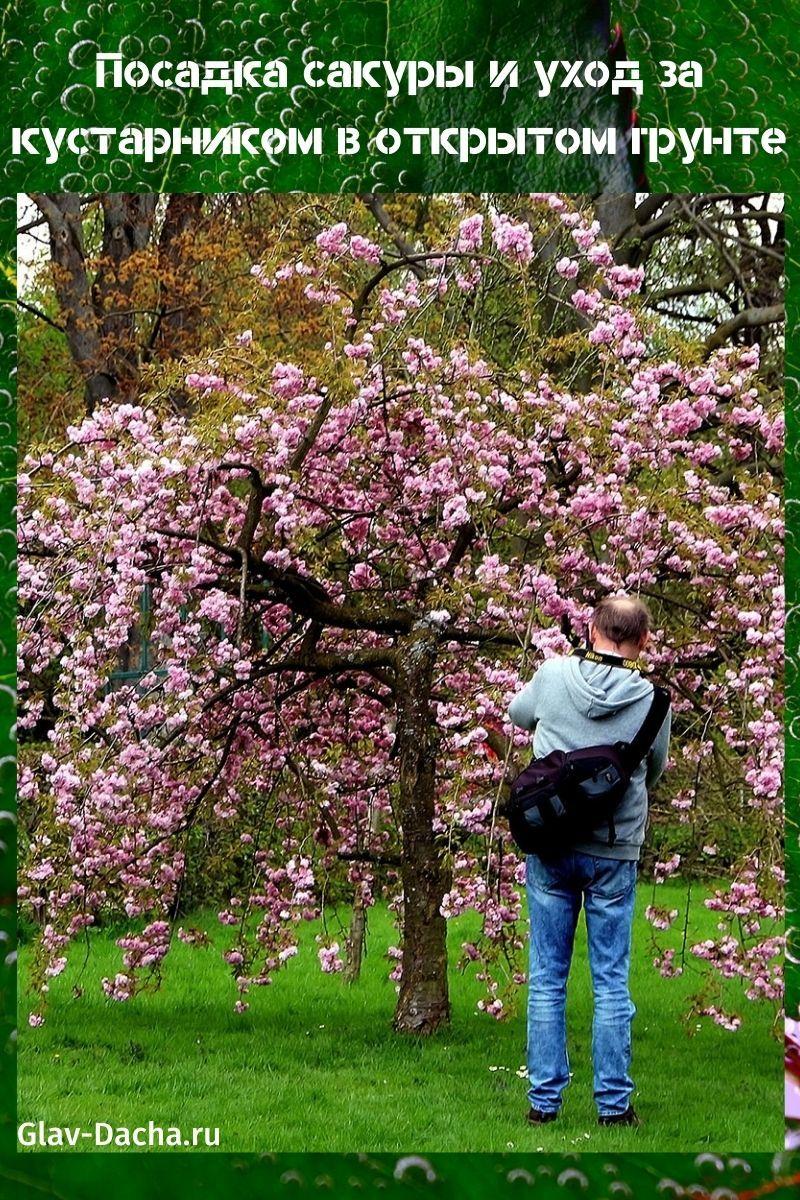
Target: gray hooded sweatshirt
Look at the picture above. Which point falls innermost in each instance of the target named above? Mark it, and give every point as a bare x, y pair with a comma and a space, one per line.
571, 704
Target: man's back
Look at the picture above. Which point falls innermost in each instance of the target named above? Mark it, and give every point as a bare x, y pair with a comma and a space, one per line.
572, 703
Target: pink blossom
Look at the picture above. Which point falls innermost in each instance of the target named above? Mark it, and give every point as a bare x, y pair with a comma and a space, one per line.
470, 233
333, 240
288, 380
567, 267
363, 248
512, 238
329, 958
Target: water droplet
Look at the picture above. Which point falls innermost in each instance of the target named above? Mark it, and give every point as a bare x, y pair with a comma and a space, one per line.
131, 46
670, 1187
618, 1188
520, 1175
709, 1164
739, 1168
573, 1178
412, 1163
83, 54
195, 33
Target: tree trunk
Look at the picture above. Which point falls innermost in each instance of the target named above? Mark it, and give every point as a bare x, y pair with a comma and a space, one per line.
179, 273
64, 216
423, 1004
355, 940
357, 936
99, 321
127, 229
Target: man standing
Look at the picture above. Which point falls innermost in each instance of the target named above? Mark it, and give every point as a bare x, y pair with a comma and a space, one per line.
570, 704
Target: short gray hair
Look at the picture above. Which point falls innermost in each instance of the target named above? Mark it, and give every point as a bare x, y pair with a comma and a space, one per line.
622, 619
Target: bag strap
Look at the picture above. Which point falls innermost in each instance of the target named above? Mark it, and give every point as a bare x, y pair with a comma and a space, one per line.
634, 751
610, 660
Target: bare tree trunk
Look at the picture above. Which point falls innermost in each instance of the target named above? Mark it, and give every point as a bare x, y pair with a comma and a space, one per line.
127, 228
423, 1004
357, 936
354, 949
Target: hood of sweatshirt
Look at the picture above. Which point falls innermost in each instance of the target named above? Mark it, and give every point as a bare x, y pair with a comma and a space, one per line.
599, 690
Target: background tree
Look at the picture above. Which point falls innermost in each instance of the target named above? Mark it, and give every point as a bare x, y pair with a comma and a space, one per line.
126, 280
715, 262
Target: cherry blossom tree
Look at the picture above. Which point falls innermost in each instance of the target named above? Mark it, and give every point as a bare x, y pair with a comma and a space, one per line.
352, 557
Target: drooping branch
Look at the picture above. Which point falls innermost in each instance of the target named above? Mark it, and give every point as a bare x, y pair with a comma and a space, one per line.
332, 664
375, 205
396, 264
225, 754
373, 661
42, 316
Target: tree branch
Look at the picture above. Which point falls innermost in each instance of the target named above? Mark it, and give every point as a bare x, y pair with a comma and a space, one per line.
302, 593
37, 312
375, 206
407, 260
381, 860
748, 318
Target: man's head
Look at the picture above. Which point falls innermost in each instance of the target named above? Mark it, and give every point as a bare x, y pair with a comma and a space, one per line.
620, 625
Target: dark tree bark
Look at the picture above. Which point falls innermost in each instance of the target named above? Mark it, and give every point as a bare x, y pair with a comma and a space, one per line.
99, 320
63, 213
127, 228
423, 1004
181, 308
630, 227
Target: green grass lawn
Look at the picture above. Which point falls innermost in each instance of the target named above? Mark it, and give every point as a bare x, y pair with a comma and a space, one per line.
314, 1064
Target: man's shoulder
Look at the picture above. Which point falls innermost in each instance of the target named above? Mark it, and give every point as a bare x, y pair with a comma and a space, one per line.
552, 667
556, 662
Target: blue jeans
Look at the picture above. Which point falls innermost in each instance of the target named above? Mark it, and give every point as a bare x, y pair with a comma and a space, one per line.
556, 888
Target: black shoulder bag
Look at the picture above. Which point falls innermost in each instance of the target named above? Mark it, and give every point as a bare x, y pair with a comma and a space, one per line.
564, 797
